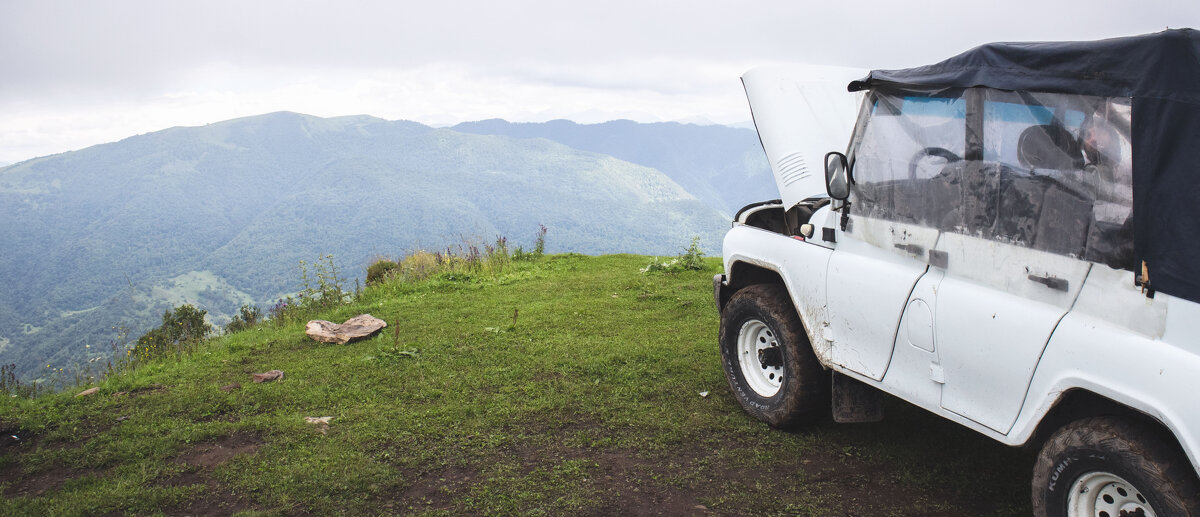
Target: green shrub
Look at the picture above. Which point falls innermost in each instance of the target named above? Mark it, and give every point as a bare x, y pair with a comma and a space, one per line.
247, 317
181, 329
380, 270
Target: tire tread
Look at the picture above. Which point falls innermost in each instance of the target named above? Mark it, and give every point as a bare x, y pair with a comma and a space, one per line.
805, 394
1149, 450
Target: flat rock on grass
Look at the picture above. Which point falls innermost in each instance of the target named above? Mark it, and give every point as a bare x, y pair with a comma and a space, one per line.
272, 375
354, 328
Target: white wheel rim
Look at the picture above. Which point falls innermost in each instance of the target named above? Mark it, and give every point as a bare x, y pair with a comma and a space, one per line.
753, 338
1103, 494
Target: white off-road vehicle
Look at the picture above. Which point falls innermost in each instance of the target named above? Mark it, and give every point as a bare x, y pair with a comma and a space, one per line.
1011, 241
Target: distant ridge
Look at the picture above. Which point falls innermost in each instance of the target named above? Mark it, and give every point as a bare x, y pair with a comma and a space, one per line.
723, 166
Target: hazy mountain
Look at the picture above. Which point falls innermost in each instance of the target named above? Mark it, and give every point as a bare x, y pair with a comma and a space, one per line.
220, 215
721, 165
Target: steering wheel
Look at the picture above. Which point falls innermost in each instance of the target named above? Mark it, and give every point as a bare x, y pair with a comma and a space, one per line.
937, 152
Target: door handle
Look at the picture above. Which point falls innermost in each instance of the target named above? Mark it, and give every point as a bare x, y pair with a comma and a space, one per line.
1053, 282
911, 248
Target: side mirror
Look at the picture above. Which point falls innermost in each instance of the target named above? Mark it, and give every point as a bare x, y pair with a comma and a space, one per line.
837, 176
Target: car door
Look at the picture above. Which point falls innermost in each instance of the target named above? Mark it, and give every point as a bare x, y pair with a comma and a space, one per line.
995, 309
881, 248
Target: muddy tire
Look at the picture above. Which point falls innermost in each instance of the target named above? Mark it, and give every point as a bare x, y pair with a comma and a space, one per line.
1113, 466
768, 361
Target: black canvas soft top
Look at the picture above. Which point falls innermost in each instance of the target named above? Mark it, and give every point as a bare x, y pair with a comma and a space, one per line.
1160, 73
1164, 65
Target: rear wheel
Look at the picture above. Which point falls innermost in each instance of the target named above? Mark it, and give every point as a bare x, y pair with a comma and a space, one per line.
1113, 467
768, 361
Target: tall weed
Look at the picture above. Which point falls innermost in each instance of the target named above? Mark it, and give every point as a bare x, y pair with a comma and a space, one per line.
455, 263
539, 247
324, 287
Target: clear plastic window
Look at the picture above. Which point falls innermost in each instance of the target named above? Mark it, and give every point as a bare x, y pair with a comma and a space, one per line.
1047, 171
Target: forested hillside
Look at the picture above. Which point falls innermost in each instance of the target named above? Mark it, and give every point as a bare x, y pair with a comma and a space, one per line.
220, 215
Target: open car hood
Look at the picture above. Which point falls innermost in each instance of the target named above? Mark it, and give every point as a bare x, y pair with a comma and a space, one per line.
801, 112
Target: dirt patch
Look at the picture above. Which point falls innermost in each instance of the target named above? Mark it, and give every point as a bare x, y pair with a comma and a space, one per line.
836, 472
628, 484
198, 462
144, 390
864, 487
216, 499
20, 484
16, 442
438, 489
551, 425
687, 482
220, 417
211, 454
624, 481
14, 438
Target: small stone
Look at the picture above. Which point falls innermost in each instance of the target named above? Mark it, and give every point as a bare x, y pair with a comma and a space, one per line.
273, 375
236, 385
89, 391
322, 422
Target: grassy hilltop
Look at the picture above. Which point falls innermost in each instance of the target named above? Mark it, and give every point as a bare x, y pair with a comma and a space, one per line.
563, 384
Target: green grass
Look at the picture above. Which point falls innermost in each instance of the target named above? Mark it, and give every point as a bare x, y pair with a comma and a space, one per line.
589, 404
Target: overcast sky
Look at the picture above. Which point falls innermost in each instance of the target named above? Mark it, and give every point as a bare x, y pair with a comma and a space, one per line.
79, 73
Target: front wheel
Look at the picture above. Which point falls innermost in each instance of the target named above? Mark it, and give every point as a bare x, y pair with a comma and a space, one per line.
1113, 467
768, 361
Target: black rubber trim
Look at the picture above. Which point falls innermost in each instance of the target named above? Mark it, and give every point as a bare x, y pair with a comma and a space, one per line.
738, 215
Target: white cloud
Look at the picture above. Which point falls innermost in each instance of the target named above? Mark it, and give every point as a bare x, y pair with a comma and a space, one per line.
76, 73
440, 94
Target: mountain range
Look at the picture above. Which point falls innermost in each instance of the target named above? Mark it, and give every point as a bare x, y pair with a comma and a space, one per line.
722, 166
100, 241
